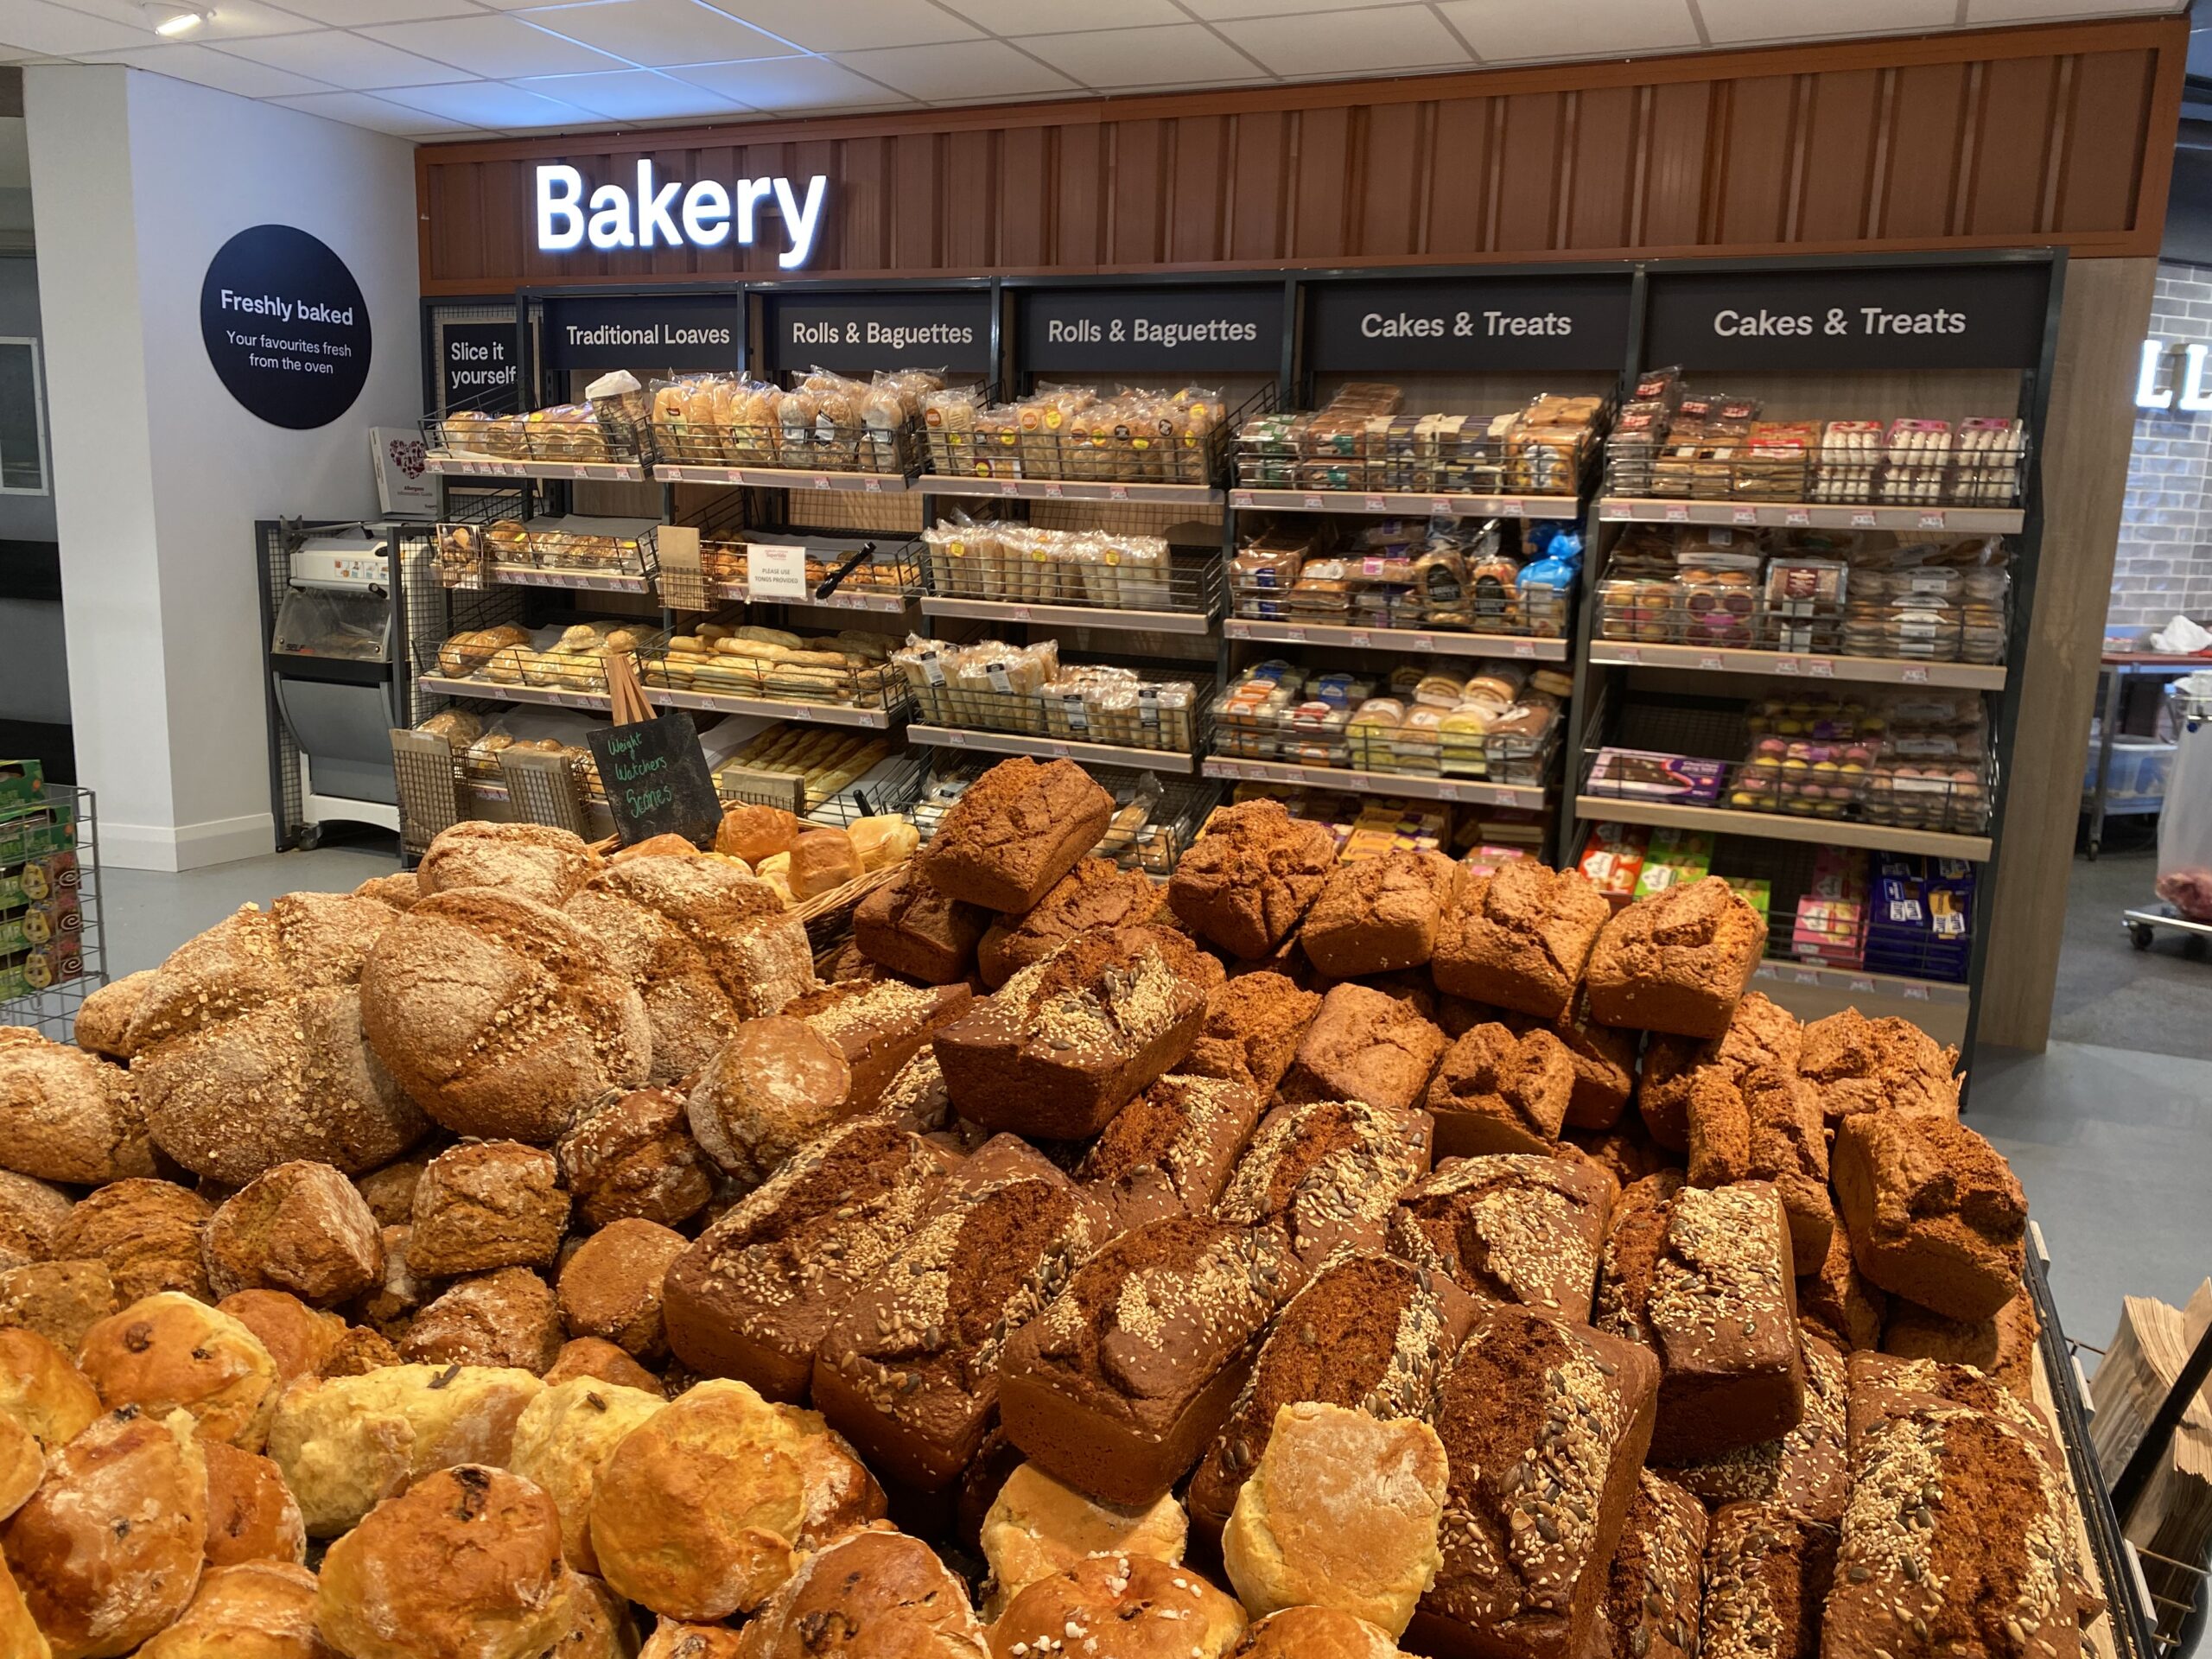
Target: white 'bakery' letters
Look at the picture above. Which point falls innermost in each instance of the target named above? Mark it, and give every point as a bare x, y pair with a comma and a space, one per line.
672, 214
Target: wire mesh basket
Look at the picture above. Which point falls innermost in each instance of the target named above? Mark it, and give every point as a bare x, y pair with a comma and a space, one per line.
53, 946
1071, 433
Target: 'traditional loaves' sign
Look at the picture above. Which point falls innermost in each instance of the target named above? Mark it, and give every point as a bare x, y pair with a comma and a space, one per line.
645, 331
1235, 329
285, 326
1549, 324
656, 779
1858, 317
856, 334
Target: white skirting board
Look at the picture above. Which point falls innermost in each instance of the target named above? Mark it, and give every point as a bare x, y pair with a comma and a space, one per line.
187, 846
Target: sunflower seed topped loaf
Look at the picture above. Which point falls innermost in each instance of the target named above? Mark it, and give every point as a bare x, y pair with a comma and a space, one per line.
1377, 915
1878, 1065
1367, 1331
1363, 1045
1804, 1471
1015, 832
1936, 1214
1509, 1227
1759, 1034
1519, 938
1655, 1588
1545, 1425
1246, 883
1763, 1123
1327, 1173
878, 1028
1062, 1046
1097, 892
1703, 1279
1767, 1578
2001, 1347
909, 1370
1253, 1026
1499, 1093
1677, 962
1169, 1152
1117, 1387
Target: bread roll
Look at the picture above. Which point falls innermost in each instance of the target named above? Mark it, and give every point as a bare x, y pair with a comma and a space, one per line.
879, 842
876, 1591
821, 860
168, 1352
754, 833
30, 1210
503, 1319
593, 1358
300, 1227
23, 1466
465, 1565
147, 1234
528, 860
19, 1632
253, 1610
1314, 1633
600, 1625
108, 1550
251, 1515
70, 1116
59, 1300
460, 968
103, 1017
562, 1440
299, 1338
610, 1287
775, 1086
486, 1204
672, 1639
1037, 1527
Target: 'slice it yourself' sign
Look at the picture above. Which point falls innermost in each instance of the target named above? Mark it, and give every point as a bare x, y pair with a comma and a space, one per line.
656, 779
478, 366
1228, 330
1553, 324
571, 211
1889, 318
286, 327
856, 334
2161, 383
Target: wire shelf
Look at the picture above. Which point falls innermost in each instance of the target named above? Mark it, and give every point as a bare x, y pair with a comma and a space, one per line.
842, 573
1985, 468
1015, 565
1094, 703
52, 943
1136, 437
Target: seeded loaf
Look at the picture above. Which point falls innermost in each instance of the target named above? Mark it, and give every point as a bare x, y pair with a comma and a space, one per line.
2001, 1347
534, 860
1805, 1472
1759, 1034
1325, 1173
1509, 1227
1146, 1609
1936, 1214
908, 1371
1656, 1586
1062, 1046
1246, 883
1889, 1065
753, 1296
1376, 915
1519, 938
878, 1028
1169, 1152
1253, 1026
1767, 1578
1702, 1280
1368, 1331
1499, 1093
1365, 1044
871, 1593
1097, 892
1677, 962
1545, 1424
1763, 1123
1015, 832
1118, 1386
909, 925
1037, 1526
634, 1156
71, 1118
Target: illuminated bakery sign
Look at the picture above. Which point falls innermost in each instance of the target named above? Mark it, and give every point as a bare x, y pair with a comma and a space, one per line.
1549, 324
1893, 317
1232, 329
572, 212
2162, 382
856, 334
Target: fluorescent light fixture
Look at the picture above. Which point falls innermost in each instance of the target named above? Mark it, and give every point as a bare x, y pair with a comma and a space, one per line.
170, 22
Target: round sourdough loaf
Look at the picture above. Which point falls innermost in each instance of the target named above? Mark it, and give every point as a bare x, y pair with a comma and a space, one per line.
500, 1016
876, 1591
530, 861
254, 1610
70, 1116
169, 1352
30, 1210
776, 1085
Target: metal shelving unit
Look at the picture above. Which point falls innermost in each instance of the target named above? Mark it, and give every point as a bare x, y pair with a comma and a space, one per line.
1564, 507
1415, 786
1439, 642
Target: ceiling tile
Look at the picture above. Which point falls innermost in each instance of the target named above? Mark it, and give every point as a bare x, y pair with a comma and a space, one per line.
208, 68
38, 28
233, 19
1027, 17
632, 95
490, 104
1138, 57
351, 14
854, 25
957, 72
345, 61
487, 45
2024, 12
1509, 31
1739, 23
1213, 10
657, 33
1350, 42
360, 109
781, 84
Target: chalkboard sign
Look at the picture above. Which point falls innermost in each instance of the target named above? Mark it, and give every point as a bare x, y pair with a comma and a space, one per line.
1155, 331
646, 331
1552, 325
657, 780
286, 329
857, 334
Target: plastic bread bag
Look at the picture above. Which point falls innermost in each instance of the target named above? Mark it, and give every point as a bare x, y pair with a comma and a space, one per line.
911, 386
952, 409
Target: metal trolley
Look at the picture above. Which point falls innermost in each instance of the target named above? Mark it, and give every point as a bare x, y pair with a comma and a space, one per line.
2191, 710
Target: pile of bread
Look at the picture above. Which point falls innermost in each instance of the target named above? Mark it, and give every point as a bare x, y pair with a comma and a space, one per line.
737, 660
800, 860
1300, 1261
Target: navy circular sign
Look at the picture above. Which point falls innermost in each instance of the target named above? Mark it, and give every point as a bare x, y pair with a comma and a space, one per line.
286, 327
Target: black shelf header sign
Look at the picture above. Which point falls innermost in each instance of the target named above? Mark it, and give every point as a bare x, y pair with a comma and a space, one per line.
477, 367
1235, 329
853, 334
656, 779
1549, 324
645, 331
1897, 317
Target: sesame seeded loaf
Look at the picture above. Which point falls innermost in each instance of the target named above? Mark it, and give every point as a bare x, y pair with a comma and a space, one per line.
1368, 1331
1657, 1585
1759, 1034
878, 1028
1376, 915
908, 1371
1677, 962
2002, 1347
1804, 1471
1015, 832
1936, 1214
913, 927
752, 1297
1363, 1045
1510, 1228
1097, 892
1519, 938
1767, 1573
1117, 1387
1062, 1046
1702, 1280
1497, 1092
1763, 1123
1546, 1424
1170, 1151
1873, 1065
1327, 1173
1253, 1026
1247, 881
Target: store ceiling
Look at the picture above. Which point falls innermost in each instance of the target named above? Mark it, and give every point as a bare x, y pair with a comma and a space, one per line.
434, 69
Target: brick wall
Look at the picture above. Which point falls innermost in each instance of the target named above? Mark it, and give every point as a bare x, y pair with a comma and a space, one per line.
2165, 565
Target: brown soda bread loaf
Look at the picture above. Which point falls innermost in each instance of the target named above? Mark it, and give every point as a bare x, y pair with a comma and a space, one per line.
1872, 1065
30, 1210
1655, 1589
1327, 1173
485, 1204
1936, 1214
1767, 1578
1015, 832
535, 861
505, 1318
1763, 1123
72, 1117
1604, 1056
1365, 1044
1247, 882
911, 927
1509, 1227
1097, 892
611, 1287
300, 1227
1806, 1471
1253, 1026
634, 1156
1519, 938
2002, 1346
1759, 1034
1499, 1093
60, 1300
1836, 1302
1169, 1152
103, 1017
1678, 963
776, 1085
147, 1234
1377, 915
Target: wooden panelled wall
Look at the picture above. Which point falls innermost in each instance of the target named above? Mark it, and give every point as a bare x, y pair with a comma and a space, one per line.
2001, 138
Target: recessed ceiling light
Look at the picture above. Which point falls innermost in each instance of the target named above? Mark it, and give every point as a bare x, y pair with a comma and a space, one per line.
172, 21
